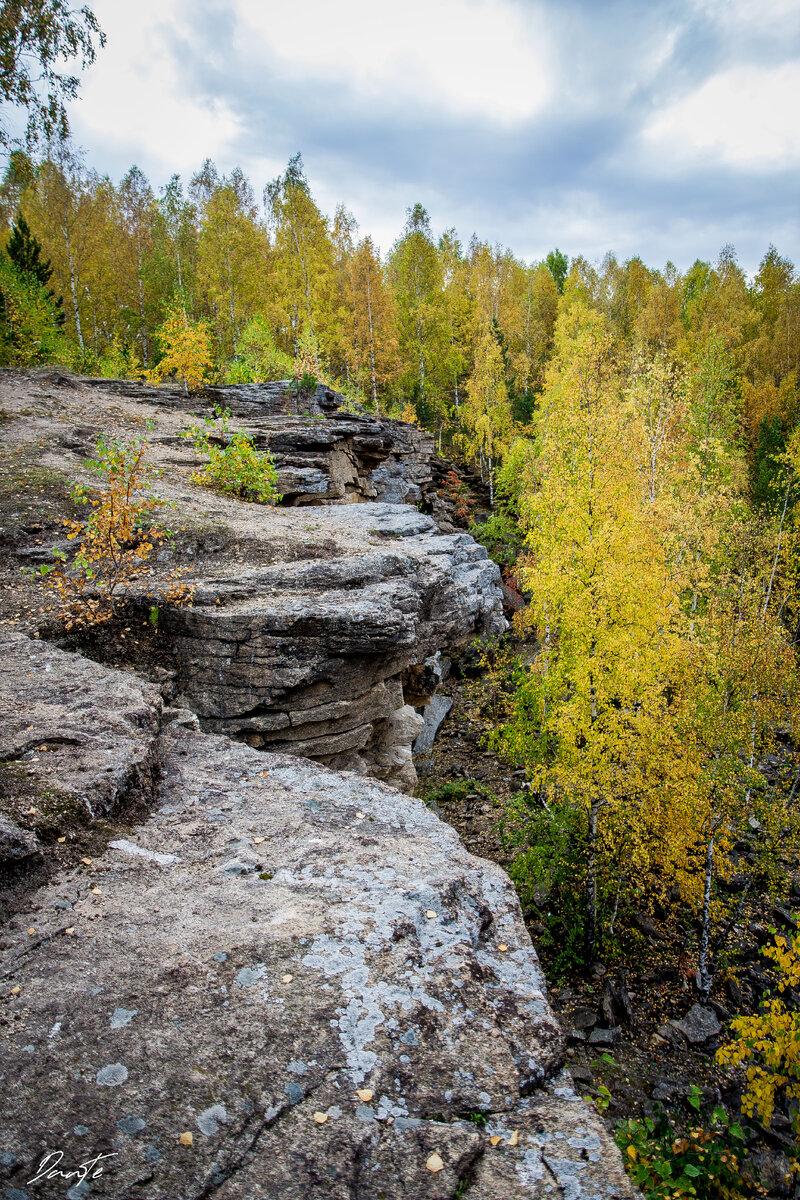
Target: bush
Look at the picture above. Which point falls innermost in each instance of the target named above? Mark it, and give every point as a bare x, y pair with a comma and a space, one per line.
236, 466
185, 350
550, 846
769, 1041
704, 1160
30, 331
116, 542
258, 360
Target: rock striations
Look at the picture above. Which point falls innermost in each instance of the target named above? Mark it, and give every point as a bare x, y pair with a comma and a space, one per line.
311, 656
287, 983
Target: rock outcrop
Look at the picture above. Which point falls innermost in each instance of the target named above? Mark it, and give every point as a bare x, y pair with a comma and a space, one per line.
314, 639
310, 656
288, 982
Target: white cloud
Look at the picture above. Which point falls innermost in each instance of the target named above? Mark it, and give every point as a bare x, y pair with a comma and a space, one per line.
745, 117
478, 58
132, 96
767, 16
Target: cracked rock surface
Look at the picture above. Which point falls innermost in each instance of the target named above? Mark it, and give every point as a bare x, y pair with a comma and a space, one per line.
274, 940
308, 656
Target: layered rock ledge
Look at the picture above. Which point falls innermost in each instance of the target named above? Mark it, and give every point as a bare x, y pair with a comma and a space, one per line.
315, 624
324, 658
303, 970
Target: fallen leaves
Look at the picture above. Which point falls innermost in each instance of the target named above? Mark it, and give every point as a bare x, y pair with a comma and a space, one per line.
496, 1139
360, 816
61, 839
287, 978
320, 1117
31, 931
434, 1163
365, 1094
96, 891
86, 861
186, 1139
16, 991
502, 947
69, 930
430, 914
258, 841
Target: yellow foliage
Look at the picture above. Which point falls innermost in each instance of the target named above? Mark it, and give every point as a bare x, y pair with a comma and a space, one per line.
116, 542
185, 351
769, 1041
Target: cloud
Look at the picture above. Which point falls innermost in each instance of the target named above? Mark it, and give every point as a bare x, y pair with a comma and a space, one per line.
745, 116
664, 129
479, 58
132, 102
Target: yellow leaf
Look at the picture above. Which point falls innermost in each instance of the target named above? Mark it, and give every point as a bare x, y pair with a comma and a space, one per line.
62, 839
364, 1094
434, 1163
430, 914
496, 1140
503, 947
186, 1139
258, 841
70, 929
632, 1152
96, 891
16, 991
31, 931
320, 1117
87, 861
514, 1139
287, 978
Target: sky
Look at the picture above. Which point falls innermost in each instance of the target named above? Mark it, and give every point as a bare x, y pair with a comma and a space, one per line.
664, 129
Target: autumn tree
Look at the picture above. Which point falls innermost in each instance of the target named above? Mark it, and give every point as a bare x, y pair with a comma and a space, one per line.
486, 421
61, 209
373, 323
304, 269
231, 254
185, 350
36, 37
415, 275
589, 719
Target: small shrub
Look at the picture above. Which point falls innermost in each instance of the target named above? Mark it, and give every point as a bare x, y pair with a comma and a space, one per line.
116, 543
456, 492
236, 466
769, 1041
308, 365
258, 360
185, 350
549, 845
117, 361
704, 1160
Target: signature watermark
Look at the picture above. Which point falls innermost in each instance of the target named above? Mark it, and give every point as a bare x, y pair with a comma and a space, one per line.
50, 1168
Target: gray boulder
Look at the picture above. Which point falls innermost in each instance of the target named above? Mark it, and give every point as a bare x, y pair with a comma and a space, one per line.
317, 1023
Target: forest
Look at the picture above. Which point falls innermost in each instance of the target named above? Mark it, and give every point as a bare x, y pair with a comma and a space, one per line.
636, 430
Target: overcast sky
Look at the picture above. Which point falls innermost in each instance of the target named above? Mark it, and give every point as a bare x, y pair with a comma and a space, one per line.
642, 127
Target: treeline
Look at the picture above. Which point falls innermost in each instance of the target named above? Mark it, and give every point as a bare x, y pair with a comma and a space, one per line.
459, 337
